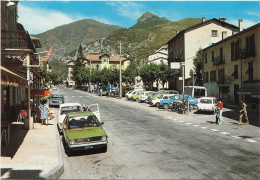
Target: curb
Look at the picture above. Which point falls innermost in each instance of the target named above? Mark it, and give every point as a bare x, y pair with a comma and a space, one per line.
56, 172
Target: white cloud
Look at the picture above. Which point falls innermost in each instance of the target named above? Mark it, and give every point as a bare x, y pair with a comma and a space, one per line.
246, 23
251, 13
40, 20
127, 9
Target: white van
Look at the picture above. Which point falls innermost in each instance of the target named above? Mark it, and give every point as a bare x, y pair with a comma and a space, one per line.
196, 91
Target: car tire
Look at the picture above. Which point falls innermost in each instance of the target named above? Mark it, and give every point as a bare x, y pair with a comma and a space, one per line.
67, 150
166, 106
157, 104
104, 149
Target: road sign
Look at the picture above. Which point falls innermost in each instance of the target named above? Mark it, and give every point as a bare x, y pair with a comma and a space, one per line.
175, 65
180, 78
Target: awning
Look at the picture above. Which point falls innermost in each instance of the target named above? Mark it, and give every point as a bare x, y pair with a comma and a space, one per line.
10, 78
40, 93
250, 89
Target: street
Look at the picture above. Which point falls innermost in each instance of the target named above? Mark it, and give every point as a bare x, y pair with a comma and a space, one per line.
145, 143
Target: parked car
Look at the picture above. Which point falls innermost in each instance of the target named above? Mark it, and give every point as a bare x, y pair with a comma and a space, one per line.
156, 101
136, 95
171, 91
129, 97
64, 109
155, 96
128, 93
83, 131
175, 99
56, 100
144, 96
207, 104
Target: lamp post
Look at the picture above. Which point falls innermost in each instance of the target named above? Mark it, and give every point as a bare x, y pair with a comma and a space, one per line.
120, 74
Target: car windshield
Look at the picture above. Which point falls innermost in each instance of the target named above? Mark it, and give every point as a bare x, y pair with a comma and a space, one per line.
206, 101
57, 96
83, 122
69, 109
167, 97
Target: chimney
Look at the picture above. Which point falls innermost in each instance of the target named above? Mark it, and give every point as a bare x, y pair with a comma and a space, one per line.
203, 19
223, 19
240, 25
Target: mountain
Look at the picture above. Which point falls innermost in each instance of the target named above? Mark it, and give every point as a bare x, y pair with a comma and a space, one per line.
139, 41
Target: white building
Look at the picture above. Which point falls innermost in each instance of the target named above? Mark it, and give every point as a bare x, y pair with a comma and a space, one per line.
160, 56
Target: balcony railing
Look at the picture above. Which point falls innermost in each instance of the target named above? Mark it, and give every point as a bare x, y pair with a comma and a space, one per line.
219, 60
18, 39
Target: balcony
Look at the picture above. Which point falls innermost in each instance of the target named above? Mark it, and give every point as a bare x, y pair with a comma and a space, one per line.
18, 39
219, 60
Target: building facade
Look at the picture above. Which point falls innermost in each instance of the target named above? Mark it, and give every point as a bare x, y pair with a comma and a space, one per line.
232, 67
160, 56
184, 46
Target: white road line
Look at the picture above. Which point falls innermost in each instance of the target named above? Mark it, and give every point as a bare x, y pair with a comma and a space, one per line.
181, 121
204, 127
73, 96
196, 125
251, 140
174, 119
87, 96
237, 137
215, 130
225, 133
188, 123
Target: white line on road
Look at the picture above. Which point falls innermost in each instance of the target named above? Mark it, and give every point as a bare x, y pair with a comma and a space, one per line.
204, 127
225, 133
251, 140
73, 96
188, 123
196, 125
215, 130
87, 96
181, 121
237, 137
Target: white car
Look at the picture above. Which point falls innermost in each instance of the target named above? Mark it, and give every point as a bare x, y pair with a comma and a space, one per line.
67, 108
129, 96
207, 104
144, 96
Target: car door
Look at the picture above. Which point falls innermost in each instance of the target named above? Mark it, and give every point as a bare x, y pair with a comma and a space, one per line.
94, 108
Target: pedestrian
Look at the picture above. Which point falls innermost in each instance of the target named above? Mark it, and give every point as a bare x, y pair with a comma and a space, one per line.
243, 112
44, 111
219, 112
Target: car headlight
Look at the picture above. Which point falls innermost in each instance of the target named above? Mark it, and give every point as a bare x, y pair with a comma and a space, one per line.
72, 141
104, 138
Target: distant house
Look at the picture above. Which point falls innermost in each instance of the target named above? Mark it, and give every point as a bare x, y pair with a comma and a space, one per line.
183, 46
70, 65
231, 67
99, 62
160, 56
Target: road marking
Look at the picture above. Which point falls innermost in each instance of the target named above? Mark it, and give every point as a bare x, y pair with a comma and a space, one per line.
237, 137
251, 140
73, 96
181, 121
80, 96
87, 96
188, 123
215, 130
196, 125
204, 127
225, 133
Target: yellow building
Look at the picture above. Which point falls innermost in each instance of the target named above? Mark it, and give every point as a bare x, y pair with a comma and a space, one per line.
184, 46
99, 62
232, 67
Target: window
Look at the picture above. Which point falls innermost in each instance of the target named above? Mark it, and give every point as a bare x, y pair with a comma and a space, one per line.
250, 46
250, 71
235, 73
224, 34
214, 33
213, 76
221, 75
237, 53
206, 77
206, 58
232, 51
212, 55
221, 59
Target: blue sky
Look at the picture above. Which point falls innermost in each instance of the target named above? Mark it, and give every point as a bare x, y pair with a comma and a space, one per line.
41, 16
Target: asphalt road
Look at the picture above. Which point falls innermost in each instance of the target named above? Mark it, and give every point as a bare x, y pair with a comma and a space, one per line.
146, 143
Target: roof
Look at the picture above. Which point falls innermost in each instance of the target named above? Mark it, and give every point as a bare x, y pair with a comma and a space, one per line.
233, 36
69, 104
202, 24
84, 113
36, 42
97, 57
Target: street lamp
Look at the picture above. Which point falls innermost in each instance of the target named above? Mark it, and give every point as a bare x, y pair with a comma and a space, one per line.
120, 74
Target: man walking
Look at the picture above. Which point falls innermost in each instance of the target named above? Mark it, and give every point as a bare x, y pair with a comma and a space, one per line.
243, 112
220, 111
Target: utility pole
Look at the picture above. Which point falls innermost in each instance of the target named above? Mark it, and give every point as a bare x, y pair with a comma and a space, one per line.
120, 74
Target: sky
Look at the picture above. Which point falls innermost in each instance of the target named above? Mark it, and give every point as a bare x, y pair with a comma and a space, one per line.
41, 16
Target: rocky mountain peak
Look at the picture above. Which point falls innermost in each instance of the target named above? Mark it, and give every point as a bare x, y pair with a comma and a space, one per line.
147, 15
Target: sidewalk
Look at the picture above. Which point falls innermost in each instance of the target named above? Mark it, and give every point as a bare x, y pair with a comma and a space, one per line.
32, 154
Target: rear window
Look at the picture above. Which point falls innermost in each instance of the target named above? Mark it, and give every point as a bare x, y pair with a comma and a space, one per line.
83, 122
69, 109
206, 101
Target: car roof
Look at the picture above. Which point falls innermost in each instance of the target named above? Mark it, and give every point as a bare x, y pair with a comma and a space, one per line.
70, 104
207, 98
84, 113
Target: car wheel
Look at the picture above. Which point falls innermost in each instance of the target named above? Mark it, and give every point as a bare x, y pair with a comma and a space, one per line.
166, 106
104, 149
67, 150
157, 104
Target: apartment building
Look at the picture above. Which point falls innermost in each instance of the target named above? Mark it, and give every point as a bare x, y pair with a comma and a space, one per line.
99, 62
232, 67
183, 46
160, 56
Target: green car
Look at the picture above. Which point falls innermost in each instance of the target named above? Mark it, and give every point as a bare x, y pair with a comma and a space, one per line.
83, 131
137, 95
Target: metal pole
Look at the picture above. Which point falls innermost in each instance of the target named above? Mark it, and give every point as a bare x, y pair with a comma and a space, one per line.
28, 122
120, 74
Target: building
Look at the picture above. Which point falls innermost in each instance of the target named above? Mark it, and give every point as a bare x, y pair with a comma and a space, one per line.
99, 62
232, 67
183, 46
160, 56
20, 66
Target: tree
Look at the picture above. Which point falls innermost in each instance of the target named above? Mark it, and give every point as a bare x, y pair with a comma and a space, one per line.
163, 74
129, 74
198, 68
148, 74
